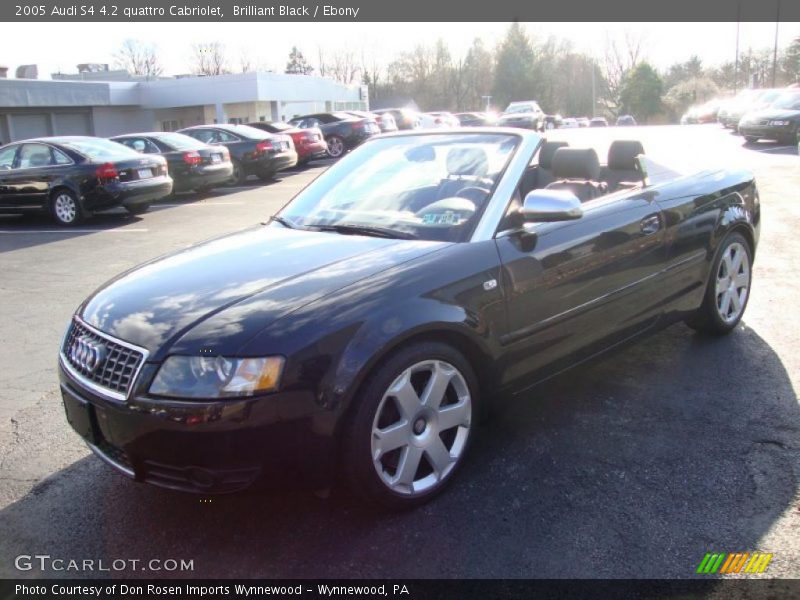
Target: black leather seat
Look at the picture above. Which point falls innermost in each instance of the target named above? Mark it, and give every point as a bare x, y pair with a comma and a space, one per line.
578, 170
621, 171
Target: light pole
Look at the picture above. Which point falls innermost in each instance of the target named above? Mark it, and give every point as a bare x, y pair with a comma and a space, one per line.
775, 51
736, 64
488, 99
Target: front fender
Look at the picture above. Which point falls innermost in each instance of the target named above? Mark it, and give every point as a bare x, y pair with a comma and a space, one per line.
332, 344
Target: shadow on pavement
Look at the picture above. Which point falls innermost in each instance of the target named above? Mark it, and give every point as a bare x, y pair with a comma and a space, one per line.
633, 467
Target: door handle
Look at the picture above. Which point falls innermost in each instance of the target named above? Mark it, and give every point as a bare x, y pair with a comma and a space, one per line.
651, 224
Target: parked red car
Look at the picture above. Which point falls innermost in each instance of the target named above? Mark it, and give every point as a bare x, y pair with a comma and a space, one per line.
309, 143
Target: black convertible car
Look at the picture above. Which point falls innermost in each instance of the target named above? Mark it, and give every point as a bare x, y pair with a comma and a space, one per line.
364, 329
73, 176
342, 131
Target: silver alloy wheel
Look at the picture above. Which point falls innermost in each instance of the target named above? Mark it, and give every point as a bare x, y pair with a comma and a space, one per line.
733, 282
65, 208
421, 427
335, 147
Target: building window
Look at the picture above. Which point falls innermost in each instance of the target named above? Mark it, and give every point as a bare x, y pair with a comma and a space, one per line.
171, 125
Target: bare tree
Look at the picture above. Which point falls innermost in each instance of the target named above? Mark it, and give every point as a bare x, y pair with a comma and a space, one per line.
246, 64
138, 58
621, 55
209, 59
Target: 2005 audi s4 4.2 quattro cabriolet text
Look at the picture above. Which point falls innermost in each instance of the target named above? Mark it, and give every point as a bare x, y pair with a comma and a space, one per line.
362, 331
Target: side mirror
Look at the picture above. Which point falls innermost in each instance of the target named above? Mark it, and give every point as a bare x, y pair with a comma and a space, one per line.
547, 206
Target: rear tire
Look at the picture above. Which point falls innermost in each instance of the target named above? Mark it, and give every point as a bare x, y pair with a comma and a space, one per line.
411, 426
727, 289
66, 208
266, 177
336, 148
239, 176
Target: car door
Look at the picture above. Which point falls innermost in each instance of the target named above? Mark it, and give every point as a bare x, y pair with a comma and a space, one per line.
37, 167
576, 287
8, 157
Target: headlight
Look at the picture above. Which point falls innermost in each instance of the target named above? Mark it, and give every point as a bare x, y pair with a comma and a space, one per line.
217, 377
779, 123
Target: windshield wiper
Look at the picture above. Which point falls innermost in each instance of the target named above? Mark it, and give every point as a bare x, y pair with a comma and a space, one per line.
282, 221
348, 228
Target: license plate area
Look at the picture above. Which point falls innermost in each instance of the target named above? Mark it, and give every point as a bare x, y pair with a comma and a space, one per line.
145, 173
216, 159
81, 416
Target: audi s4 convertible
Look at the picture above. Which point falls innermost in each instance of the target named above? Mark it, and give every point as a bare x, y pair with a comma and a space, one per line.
360, 333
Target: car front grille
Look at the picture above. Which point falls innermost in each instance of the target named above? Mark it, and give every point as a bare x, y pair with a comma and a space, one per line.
103, 361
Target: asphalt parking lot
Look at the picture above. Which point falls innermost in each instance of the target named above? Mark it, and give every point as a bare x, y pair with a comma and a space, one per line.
633, 466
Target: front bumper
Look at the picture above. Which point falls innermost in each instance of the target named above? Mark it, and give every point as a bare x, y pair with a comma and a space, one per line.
767, 132
205, 447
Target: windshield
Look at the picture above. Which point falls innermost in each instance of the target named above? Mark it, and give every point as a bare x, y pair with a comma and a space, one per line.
279, 126
429, 187
96, 148
788, 101
178, 141
519, 108
249, 132
769, 96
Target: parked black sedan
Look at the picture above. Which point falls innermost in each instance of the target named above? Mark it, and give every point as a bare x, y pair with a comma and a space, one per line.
779, 122
369, 324
342, 131
71, 177
192, 164
253, 151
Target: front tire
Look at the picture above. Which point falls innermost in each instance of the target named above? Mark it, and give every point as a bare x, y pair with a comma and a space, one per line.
412, 424
728, 288
751, 139
66, 208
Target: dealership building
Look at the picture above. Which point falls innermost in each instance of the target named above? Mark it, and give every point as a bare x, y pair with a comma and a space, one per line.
75, 106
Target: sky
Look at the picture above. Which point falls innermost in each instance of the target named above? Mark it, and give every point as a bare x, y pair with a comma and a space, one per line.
268, 44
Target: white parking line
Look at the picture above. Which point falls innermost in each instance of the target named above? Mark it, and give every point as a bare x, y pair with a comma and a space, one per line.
67, 231
201, 203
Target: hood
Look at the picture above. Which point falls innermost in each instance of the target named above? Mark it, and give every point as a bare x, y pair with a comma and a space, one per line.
518, 115
772, 114
216, 295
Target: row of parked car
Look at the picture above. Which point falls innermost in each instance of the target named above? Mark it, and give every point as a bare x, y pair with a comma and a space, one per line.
74, 176
771, 114
71, 177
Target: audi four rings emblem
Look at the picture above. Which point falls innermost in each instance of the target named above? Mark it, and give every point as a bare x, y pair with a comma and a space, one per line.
87, 353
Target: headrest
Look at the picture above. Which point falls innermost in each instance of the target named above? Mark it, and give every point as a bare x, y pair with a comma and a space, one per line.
576, 163
547, 151
622, 154
467, 161
39, 159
